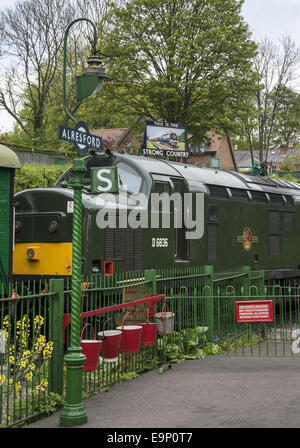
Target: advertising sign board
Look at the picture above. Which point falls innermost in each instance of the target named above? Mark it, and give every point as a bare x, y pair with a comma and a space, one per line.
165, 139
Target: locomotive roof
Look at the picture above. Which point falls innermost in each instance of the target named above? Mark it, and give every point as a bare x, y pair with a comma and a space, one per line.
211, 176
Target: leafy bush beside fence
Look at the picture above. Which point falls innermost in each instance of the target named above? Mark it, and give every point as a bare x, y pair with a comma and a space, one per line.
36, 176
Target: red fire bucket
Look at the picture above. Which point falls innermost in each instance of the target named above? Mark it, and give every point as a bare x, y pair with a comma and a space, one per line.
131, 336
148, 331
91, 350
111, 344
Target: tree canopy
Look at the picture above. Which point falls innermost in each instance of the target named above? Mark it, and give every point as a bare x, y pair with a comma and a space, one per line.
183, 62
191, 62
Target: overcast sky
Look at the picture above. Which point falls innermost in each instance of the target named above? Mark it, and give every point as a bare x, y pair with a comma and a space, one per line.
271, 18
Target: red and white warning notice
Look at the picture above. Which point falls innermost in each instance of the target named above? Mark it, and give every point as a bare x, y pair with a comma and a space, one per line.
254, 311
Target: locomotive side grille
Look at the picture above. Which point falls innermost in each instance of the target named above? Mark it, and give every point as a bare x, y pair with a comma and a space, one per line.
129, 250
274, 221
289, 200
109, 243
217, 192
134, 249
238, 194
138, 249
119, 243
113, 244
212, 241
288, 221
259, 196
274, 244
276, 199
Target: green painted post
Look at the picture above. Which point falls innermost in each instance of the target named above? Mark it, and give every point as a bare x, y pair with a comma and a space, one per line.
74, 412
209, 301
56, 364
195, 312
150, 279
261, 284
246, 271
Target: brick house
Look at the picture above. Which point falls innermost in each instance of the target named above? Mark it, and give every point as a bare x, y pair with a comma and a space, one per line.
215, 152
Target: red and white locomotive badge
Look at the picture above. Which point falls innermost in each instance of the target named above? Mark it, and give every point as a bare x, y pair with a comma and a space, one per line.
247, 238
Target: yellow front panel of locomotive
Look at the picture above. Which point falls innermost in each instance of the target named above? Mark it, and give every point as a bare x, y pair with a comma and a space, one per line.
42, 259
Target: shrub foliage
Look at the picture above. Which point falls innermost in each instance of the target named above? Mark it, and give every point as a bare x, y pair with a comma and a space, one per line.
37, 176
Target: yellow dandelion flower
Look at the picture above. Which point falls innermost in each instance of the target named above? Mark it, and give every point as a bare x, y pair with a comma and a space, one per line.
28, 376
2, 379
23, 364
38, 321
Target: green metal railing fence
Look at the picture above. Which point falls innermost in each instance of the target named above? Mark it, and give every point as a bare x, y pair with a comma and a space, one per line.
35, 327
28, 346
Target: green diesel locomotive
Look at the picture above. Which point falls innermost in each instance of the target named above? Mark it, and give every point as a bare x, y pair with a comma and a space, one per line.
161, 214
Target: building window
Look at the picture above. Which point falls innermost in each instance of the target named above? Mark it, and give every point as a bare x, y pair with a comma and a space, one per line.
199, 148
215, 162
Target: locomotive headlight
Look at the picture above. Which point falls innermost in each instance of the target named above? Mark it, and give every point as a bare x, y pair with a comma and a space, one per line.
30, 253
33, 253
53, 226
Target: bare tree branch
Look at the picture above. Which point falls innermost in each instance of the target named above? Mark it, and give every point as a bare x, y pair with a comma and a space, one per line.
33, 38
276, 68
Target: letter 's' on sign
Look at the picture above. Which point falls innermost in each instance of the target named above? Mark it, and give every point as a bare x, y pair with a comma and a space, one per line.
104, 179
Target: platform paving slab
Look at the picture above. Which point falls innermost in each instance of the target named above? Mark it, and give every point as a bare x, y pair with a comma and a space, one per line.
211, 392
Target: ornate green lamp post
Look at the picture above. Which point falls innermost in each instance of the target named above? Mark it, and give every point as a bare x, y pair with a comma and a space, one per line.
92, 80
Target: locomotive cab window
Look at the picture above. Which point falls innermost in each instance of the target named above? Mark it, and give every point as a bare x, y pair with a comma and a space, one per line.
129, 178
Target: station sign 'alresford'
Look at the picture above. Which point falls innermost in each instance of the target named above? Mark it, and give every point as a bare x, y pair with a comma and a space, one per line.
80, 137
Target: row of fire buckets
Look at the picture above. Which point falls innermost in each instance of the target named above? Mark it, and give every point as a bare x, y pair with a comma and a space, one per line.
125, 339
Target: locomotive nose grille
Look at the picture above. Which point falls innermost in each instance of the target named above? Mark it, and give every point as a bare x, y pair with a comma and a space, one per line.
124, 244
